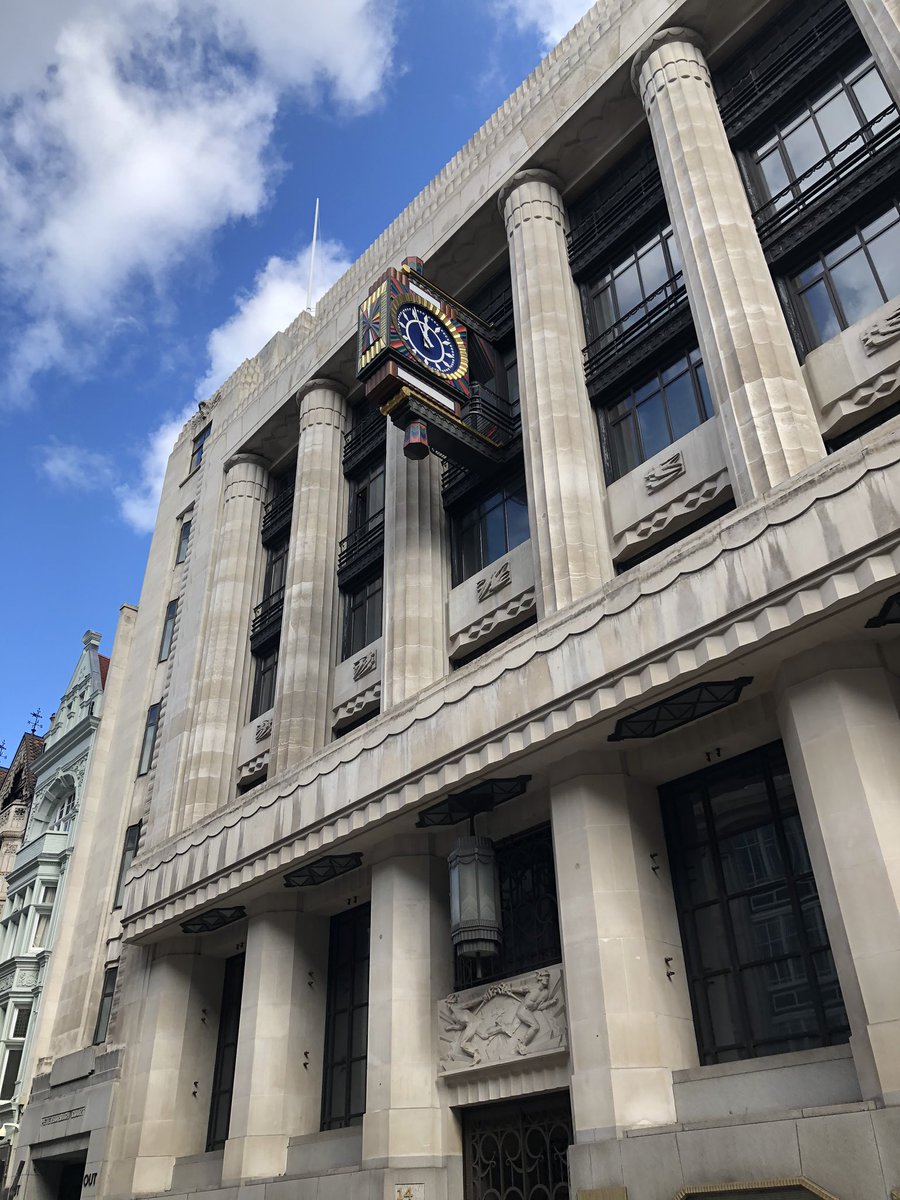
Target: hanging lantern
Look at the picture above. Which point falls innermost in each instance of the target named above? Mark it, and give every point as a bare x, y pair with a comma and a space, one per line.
415, 440
474, 898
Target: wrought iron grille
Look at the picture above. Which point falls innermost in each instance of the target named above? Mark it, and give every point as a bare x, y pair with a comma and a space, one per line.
364, 441
277, 516
767, 73
490, 415
266, 624
361, 548
518, 1152
494, 304
528, 910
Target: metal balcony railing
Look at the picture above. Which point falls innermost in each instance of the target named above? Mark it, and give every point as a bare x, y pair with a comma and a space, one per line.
364, 441
277, 516
266, 625
362, 547
637, 334
491, 416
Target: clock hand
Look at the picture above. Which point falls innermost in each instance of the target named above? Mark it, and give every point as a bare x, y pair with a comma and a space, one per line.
423, 325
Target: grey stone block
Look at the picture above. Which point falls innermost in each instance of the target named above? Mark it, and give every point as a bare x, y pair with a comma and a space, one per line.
72, 1066
840, 1154
197, 1172
764, 1150
652, 1167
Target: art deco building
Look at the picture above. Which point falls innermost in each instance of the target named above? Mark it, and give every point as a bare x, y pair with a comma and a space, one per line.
611, 679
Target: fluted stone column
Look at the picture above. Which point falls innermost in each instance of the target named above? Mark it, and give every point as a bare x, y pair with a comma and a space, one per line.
310, 599
209, 778
630, 1023
278, 1071
841, 728
416, 579
879, 23
410, 969
767, 418
171, 1068
562, 448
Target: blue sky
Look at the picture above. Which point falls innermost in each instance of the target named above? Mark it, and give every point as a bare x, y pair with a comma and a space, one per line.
159, 164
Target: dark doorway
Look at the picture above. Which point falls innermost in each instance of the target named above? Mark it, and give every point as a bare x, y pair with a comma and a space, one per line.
70, 1177
518, 1151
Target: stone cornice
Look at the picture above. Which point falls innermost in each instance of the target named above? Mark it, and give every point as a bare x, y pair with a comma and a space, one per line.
656, 41
728, 590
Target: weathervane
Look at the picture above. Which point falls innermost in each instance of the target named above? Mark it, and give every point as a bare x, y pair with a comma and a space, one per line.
37, 716
2, 750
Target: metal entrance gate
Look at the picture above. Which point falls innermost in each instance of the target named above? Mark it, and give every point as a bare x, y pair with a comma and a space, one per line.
518, 1151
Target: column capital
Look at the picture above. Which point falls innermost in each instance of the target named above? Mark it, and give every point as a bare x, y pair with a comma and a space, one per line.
690, 56
232, 465
321, 383
530, 176
321, 401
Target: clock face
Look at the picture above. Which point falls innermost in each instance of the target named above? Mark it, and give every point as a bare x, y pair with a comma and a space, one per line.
428, 339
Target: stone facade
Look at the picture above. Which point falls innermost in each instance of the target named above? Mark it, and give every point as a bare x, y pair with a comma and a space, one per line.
652, 661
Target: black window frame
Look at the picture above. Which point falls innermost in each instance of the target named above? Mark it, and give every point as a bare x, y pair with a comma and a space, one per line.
168, 631
358, 620
709, 961
346, 1040
627, 256
468, 519
197, 446
104, 1009
366, 490
148, 744
529, 911
614, 465
184, 537
275, 574
129, 850
265, 679
222, 1091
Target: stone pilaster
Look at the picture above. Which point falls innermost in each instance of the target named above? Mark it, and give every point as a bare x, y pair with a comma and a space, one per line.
767, 417
630, 1024
416, 579
879, 23
559, 432
841, 729
278, 1073
171, 1067
410, 969
311, 596
209, 777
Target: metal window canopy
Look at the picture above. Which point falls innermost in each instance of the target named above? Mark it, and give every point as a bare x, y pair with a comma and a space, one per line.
464, 806
214, 918
322, 870
889, 613
698, 701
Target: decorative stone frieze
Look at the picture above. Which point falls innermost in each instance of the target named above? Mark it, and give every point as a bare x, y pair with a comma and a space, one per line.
665, 472
688, 505
882, 333
769, 427
357, 685
481, 609
495, 581
502, 1023
365, 664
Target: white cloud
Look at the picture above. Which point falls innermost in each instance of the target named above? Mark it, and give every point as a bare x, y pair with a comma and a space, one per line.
129, 133
552, 18
279, 294
70, 467
139, 501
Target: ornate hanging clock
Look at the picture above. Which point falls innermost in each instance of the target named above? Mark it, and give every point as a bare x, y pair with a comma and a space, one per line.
415, 350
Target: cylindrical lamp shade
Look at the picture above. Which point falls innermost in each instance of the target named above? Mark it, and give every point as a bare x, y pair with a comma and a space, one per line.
474, 898
415, 440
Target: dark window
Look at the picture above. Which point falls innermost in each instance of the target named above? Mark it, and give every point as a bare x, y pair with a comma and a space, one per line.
199, 442
264, 683
761, 974
367, 497
528, 910
11, 1072
652, 415
106, 998
362, 616
165, 644
226, 1053
276, 569
20, 1025
149, 741
518, 1151
184, 536
489, 528
346, 1019
825, 131
129, 850
639, 282
852, 278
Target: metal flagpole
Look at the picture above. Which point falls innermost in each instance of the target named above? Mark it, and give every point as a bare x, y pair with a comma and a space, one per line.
312, 258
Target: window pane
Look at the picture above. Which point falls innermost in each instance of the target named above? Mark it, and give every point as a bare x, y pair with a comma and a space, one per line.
871, 93
885, 251
654, 272
604, 313
517, 519
654, 427
681, 401
711, 938
628, 292
856, 287
494, 533
837, 121
774, 172
804, 147
623, 446
821, 312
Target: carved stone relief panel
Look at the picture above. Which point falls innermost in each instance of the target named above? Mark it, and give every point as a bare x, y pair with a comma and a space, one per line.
497, 579
882, 333
664, 472
503, 1023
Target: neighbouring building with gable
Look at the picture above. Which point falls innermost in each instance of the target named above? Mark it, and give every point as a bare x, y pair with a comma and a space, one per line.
518, 821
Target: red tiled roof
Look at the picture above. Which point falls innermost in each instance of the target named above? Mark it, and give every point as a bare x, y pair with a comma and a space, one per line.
104, 668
